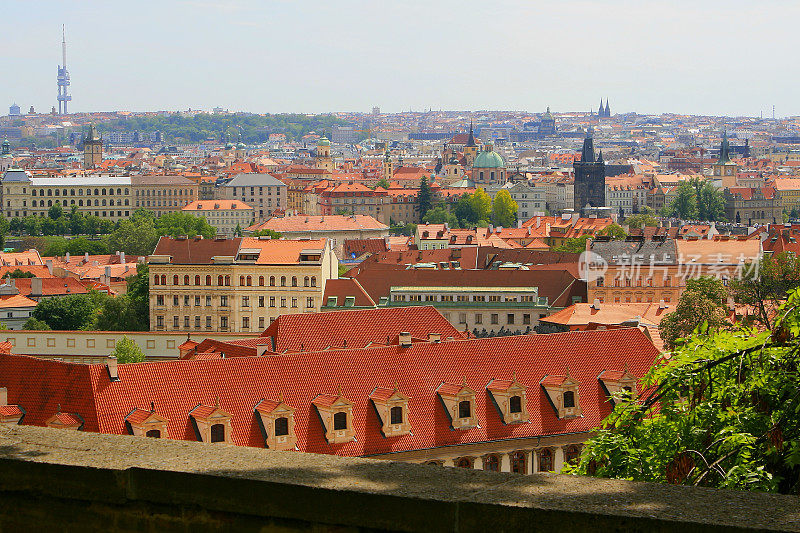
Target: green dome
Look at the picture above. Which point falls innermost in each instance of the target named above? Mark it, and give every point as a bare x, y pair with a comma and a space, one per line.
488, 159
323, 142
240, 146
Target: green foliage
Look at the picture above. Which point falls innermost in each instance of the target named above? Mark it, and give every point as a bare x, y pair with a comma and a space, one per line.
55, 212
403, 229
636, 221
177, 223
481, 204
424, 197
573, 245
702, 302
504, 209
35, 324
251, 128
440, 215
17, 273
127, 351
614, 231
343, 269
72, 312
697, 199
382, 183
765, 285
272, 234
722, 411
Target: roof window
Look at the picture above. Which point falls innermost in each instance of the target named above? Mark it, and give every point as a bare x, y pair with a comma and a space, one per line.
211, 423
276, 420
510, 400
459, 403
392, 408
563, 393
336, 413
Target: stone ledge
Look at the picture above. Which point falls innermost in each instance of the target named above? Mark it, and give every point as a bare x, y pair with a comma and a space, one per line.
129, 483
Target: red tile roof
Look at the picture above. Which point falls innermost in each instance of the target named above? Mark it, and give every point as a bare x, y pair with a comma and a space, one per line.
178, 387
357, 328
194, 251
344, 287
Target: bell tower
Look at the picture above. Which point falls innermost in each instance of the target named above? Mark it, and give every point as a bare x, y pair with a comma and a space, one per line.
92, 149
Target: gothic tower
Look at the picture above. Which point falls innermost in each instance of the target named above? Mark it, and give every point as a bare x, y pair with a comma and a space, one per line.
471, 148
590, 178
92, 149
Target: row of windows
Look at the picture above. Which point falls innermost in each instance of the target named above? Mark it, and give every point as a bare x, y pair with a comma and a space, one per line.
223, 301
519, 460
244, 281
187, 322
494, 318
634, 299
628, 282
71, 192
166, 192
96, 213
461, 298
80, 203
260, 190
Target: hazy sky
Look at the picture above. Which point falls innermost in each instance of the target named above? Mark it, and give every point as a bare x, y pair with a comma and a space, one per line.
724, 57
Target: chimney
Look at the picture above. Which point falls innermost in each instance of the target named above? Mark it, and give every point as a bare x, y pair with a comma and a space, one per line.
86, 257
111, 365
596, 304
108, 273
3, 396
434, 337
538, 221
122, 257
67, 257
405, 339
49, 264
36, 286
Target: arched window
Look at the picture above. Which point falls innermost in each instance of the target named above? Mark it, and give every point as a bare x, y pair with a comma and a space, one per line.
164, 279
155, 280
283, 281
464, 409
305, 281
208, 280
491, 463
227, 281
34, 203
294, 281
519, 463
572, 454
313, 281
241, 281
464, 462
186, 279
104, 201
175, 279
272, 281
515, 404
249, 281
49, 203
80, 203
260, 281
197, 280
569, 399
281, 426
396, 415
96, 192
340, 421
218, 433
104, 192
220, 281
154, 433
546, 460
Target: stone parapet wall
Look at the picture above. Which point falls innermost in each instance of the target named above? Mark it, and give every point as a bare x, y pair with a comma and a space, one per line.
71, 481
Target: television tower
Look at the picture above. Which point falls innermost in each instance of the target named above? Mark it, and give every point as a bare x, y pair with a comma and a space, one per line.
63, 77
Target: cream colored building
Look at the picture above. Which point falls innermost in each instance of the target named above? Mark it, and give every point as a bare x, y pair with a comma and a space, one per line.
235, 285
225, 215
163, 194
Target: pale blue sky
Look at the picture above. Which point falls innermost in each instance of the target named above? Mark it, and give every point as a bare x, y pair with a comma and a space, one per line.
720, 57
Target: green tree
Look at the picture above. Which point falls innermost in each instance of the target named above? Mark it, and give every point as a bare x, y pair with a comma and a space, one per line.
72, 312
35, 324
722, 411
382, 183
134, 238
614, 231
638, 220
684, 205
272, 234
18, 273
127, 351
481, 204
177, 223
573, 245
504, 209
710, 200
424, 197
703, 301
440, 215
764, 285
55, 211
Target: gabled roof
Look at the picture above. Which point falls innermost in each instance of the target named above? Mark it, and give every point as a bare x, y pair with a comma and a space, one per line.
356, 328
342, 288
193, 251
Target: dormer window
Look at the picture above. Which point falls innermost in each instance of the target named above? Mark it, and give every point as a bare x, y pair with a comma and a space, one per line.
9, 414
618, 383
147, 423
60, 420
562, 391
510, 400
459, 403
276, 420
336, 413
392, 408
211, 423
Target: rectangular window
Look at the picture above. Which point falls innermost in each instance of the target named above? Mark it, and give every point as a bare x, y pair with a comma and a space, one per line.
197, 301
175, 322
186, 300
510, 318
283, 302
526, 318
261, 322
223, 301
495, 318
294, 302
272, 301
478, 318
246, 322
197, 322
245, 301
208, 322
208, 301
160, 299
223, 322
462, 318
261, 301
159, 323
175, 301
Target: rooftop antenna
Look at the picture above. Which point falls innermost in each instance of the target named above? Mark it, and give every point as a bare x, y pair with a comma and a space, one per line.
773, 111
62, 79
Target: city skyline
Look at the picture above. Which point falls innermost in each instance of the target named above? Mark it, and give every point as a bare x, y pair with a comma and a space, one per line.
313, 58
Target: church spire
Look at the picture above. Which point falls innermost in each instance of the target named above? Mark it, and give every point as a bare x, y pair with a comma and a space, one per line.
724, 150
608, 109
601, 112
471, 138
587, 154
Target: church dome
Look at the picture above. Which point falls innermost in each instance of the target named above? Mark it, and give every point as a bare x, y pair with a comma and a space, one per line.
488, 159
323, 141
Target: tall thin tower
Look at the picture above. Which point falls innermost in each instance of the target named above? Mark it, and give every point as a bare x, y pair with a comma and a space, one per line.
63, 77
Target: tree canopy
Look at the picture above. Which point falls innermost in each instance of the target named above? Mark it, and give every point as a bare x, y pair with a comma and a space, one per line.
697, 199
504, 209
127, 351
722, 411
703, 300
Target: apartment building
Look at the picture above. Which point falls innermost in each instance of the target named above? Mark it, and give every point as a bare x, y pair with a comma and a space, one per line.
163, 194
227, 216
263, 192
235, 285
357, 199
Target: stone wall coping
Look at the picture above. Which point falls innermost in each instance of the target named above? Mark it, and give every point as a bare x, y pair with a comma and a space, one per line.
362, 493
